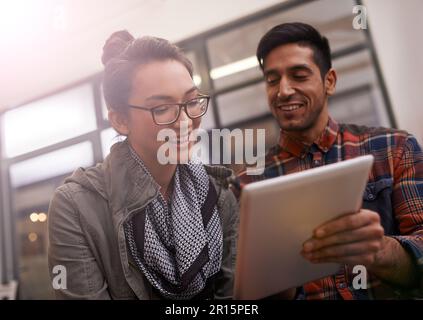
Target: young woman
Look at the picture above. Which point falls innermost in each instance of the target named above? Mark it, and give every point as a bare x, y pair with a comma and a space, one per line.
130, 227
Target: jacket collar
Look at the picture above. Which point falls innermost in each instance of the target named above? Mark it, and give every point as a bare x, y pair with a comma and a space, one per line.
299, 149
120, 180
126, 184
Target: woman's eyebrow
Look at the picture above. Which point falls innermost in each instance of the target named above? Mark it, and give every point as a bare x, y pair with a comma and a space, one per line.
166, 97
158, 97
194, 88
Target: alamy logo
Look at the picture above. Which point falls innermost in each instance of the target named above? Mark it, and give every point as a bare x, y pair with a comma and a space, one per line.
176, 148
360, 21
60, 280
360, 280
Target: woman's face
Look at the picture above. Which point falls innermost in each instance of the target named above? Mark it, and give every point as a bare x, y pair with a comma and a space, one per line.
154, 84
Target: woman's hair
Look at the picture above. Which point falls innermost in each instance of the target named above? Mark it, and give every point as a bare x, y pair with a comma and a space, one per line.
122, 54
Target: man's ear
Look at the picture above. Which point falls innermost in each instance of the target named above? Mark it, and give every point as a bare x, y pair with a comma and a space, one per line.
119, 122
330, 82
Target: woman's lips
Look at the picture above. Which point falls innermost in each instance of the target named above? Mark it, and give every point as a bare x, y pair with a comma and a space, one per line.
180, 140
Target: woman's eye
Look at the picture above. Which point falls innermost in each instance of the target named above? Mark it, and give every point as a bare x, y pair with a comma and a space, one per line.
161, 109
192, 103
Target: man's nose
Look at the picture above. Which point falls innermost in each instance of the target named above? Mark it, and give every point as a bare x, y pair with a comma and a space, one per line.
285, 88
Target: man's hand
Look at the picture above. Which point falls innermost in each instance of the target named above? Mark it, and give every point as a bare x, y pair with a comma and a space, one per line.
358, 239
350, 239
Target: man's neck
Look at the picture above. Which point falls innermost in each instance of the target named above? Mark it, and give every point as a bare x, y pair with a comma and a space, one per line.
312, 134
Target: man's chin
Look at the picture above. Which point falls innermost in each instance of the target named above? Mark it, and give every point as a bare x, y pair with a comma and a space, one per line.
295, 126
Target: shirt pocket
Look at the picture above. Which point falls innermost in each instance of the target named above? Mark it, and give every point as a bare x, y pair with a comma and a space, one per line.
377, 197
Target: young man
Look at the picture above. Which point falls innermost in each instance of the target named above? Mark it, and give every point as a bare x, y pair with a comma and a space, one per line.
386, 235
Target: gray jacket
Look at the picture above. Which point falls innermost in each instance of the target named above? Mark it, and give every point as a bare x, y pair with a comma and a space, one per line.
86, 235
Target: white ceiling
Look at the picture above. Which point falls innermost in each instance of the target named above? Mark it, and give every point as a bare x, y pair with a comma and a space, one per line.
48, 44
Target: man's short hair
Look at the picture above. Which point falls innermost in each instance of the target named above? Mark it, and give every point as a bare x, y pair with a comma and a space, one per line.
301, 34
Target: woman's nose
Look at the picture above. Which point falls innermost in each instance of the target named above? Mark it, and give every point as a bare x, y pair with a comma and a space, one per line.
183, 119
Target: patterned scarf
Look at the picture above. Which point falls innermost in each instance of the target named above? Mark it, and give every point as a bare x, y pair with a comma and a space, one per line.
178, 246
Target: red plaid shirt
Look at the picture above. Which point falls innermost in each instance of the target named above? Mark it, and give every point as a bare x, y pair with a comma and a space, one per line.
394, 190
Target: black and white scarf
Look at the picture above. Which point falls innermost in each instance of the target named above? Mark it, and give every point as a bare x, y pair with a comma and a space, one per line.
178, 246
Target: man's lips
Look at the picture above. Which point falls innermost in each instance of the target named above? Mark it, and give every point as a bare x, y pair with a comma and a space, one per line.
289, 107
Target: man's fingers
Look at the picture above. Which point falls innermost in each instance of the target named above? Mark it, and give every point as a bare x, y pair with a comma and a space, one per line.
366, 260
345, 250
369, 232
347, 222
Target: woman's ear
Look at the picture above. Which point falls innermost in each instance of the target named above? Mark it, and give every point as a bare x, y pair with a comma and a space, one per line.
330, 81
119, 122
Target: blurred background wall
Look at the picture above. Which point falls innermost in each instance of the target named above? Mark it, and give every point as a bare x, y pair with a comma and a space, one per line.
396, 31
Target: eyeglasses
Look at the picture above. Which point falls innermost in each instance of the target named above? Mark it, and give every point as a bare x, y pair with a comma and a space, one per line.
165, 114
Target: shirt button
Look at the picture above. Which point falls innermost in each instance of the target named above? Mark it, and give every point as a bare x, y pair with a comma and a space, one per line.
342, 286
371, 197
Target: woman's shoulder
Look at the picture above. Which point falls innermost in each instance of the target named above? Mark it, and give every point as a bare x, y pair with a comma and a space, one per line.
220, 177
85, 182
219, 174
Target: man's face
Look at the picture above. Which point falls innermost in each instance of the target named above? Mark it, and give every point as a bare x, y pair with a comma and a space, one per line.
296, 93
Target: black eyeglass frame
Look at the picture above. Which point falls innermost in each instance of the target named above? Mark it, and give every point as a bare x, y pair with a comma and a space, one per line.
181, 105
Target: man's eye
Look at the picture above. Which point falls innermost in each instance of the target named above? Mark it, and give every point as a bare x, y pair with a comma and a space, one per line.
272, 80
300, 76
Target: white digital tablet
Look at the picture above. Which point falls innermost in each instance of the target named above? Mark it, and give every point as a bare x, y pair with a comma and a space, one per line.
278, 215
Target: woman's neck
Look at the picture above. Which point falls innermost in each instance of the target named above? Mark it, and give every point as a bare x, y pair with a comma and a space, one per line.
162, 174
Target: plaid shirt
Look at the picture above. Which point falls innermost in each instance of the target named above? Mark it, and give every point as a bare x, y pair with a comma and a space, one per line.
394, 190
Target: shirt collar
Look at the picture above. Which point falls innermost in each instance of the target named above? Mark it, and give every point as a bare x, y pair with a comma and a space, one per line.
299, 148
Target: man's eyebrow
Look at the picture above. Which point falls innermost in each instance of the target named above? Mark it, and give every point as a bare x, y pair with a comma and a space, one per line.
270, 71
297, 67
166, 97
300, 67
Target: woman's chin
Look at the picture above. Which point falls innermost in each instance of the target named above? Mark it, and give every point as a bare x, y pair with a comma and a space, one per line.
183, 154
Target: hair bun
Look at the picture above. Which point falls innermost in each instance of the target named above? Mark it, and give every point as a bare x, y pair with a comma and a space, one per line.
115, 45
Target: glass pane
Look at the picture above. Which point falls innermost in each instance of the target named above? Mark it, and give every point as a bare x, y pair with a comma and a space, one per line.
358, 108
48, 121
196, 77
243, 104
108, 138
354, 70
207, 121
32, 237
232, 54
104, 110
52, 164
358, 98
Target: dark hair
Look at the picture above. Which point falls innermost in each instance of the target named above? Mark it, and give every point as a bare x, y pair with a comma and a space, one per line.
302, 34
122, 54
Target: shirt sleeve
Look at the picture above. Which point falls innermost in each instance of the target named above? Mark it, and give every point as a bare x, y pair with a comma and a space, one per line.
407, 199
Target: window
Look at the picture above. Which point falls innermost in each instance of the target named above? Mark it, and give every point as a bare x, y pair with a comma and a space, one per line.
108, 138
51, 164
48, 121
243, 104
